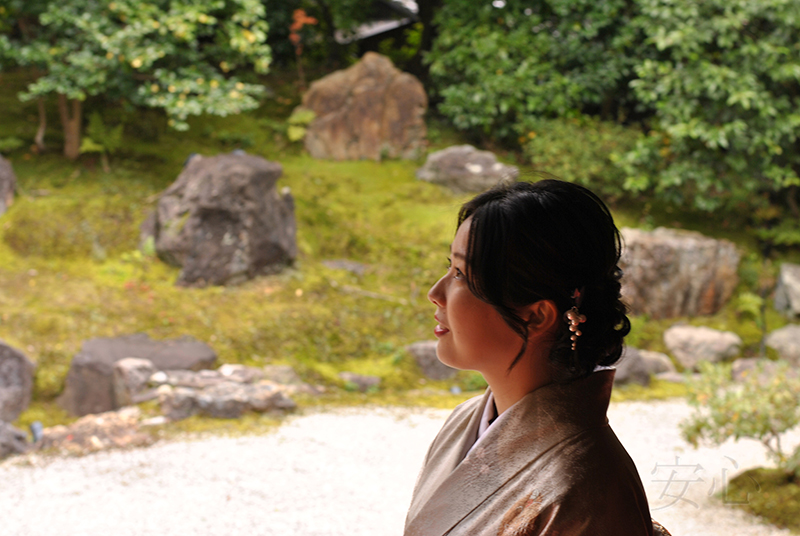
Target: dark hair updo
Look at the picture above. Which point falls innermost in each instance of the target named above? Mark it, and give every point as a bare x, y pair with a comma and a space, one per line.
542, 241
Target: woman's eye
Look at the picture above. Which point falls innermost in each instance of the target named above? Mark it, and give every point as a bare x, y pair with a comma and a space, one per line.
459, 273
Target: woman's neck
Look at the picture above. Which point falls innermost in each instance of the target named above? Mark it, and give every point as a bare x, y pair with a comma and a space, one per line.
509, 387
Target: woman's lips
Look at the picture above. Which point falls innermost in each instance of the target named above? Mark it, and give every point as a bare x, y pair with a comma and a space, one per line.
440, 331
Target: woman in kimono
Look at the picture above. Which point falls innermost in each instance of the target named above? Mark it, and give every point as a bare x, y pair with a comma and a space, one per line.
531, 300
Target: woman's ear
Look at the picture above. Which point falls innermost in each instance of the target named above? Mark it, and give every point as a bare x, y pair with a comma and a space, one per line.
543, 317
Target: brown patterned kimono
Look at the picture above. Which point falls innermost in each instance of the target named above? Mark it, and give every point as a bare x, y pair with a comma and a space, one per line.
551, 466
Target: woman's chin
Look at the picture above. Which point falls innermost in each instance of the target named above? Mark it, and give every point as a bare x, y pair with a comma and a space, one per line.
446, 358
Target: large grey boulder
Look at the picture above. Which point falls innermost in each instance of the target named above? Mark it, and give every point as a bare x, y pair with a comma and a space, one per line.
16, 382
463, 168
223, 220
12, 440
787, 291
690, 345
89, 386
671, 272
370, 110
424, 353
8, 183
786, 341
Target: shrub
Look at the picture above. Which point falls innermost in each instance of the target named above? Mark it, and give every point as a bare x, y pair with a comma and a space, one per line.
725, 88
582, 150
491, 65
762, 407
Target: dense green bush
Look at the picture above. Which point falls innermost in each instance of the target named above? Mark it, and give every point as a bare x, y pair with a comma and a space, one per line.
492, 66
762, 406
582, 150
725, 83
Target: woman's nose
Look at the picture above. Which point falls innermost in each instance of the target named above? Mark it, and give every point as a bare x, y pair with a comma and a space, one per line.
436, 293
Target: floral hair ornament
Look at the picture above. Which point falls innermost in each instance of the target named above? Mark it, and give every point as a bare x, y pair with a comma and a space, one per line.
574, 318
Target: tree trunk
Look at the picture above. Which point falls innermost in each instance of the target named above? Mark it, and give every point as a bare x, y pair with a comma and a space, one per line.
70, 112
39, 138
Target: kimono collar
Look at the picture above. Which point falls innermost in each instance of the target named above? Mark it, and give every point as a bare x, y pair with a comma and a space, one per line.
460, 480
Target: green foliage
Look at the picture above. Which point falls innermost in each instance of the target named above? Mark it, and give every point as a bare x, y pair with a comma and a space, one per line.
298, 123
401, 53
176, 56
749, 305
762, 406
10, 143
582, 150
100, 138
493, 66
726, 88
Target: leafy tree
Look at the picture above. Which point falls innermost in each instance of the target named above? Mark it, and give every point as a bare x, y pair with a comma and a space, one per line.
725, 86
171, 54
494, 66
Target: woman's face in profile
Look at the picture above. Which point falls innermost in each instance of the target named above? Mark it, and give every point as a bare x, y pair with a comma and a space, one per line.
471, 333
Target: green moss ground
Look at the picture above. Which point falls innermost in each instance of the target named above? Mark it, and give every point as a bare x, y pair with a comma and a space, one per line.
70, 267
770, 494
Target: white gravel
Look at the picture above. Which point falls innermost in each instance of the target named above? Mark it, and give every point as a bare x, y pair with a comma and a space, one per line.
344, 472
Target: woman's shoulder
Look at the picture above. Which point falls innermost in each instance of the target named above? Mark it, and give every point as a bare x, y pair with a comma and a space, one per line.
471, 404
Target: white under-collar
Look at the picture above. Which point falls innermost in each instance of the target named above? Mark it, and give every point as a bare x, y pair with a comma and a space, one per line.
488, 418
489, 415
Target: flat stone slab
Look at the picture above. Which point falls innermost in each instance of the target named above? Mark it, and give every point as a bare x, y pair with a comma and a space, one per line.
90, 381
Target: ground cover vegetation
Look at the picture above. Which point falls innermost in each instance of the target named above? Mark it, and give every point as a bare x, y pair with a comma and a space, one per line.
680, 114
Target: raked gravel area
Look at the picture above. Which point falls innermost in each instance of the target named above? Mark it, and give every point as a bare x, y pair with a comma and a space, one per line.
334, 473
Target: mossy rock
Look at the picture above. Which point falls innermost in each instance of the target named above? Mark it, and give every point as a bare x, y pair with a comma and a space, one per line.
69, 228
